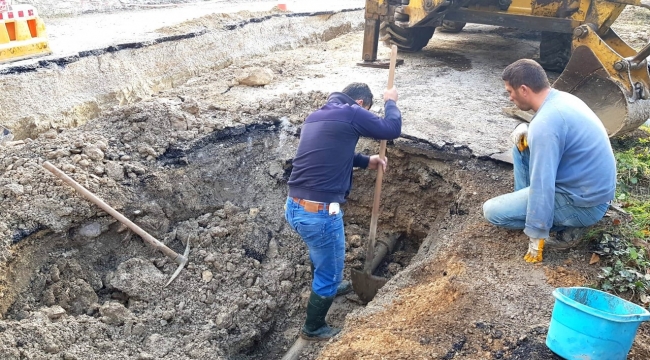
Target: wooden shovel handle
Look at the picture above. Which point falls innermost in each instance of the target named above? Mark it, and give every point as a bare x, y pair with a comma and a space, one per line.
380, 176
391, 70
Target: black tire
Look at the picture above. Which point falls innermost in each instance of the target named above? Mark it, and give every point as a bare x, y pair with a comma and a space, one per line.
449, 26
409, 39
555, 50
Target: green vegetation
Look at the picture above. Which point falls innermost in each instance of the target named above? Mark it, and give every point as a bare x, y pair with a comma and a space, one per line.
623, 240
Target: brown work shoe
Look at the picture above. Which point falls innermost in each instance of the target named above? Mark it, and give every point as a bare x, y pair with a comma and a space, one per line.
565, 239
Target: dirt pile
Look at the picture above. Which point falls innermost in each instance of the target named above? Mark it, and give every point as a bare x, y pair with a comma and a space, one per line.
90, 286
93, 281
114, 152
184, 170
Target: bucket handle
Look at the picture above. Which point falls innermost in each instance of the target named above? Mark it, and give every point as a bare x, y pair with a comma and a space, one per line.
644, 317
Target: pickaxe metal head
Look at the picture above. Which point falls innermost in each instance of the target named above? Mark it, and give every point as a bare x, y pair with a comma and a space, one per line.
181, 260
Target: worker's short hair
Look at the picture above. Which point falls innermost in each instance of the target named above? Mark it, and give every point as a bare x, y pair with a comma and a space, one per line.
526, 72
359, 91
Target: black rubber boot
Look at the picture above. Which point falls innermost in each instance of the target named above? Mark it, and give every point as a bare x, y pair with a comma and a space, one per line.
315, 327
344, 288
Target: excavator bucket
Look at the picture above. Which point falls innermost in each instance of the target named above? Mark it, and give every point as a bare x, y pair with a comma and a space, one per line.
612, 80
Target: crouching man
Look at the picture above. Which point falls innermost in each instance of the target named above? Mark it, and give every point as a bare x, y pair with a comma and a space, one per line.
564, 167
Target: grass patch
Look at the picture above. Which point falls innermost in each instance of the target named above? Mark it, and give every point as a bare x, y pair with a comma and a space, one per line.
622, 241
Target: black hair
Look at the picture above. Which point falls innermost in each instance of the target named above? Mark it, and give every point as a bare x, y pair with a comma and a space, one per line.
526, 72
359, 91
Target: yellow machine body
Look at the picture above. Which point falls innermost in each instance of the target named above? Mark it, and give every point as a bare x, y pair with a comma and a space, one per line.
598, 66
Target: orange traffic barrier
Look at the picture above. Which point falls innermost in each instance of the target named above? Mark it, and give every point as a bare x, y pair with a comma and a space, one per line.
22, 33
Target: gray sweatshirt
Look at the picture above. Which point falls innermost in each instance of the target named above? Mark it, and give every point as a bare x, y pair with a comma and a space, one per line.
570, 153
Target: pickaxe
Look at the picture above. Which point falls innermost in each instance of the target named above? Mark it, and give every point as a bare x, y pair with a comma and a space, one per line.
181, 260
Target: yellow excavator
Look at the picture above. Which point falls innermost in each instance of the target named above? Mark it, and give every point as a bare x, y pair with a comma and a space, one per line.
598, 66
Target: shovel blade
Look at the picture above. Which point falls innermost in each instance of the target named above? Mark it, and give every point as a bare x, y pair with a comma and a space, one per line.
366, 285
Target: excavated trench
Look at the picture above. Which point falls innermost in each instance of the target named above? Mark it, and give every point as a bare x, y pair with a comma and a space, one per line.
93, 287
190, 164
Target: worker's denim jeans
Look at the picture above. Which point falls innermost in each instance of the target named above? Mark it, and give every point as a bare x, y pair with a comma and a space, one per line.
509, 210
323, 233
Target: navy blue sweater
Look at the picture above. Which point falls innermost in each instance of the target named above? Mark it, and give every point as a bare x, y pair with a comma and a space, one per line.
322, 168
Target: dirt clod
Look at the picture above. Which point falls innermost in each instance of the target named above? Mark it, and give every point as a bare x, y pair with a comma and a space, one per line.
114, 313
256, 77
137, 278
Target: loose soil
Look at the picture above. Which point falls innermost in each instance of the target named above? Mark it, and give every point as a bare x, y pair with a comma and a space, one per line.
206, 162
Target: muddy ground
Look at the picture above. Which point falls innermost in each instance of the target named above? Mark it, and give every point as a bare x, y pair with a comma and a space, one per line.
206, 162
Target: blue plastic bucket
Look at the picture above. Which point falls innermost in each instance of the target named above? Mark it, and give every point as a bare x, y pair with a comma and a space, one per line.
588, 324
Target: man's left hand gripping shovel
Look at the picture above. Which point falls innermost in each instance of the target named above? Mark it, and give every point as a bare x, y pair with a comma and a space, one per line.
365, 284
181, 260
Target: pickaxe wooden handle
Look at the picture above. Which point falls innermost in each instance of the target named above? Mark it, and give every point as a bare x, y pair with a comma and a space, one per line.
181, 260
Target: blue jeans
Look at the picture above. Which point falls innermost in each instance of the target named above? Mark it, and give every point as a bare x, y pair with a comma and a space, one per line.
509, 210
323, 233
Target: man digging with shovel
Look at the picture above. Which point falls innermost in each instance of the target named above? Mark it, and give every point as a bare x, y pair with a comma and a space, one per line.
321, 180
564, 167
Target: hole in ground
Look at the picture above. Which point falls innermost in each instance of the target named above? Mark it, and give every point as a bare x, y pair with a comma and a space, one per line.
244, 291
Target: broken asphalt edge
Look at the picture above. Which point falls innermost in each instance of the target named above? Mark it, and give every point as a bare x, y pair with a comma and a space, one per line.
178, 156
65, 60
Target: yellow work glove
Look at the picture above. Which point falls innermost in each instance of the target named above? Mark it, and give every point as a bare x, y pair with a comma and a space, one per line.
520, 136
535, 250
523, 143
